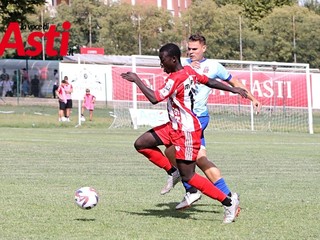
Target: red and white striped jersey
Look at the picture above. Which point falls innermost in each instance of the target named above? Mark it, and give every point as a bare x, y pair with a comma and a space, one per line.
179, 89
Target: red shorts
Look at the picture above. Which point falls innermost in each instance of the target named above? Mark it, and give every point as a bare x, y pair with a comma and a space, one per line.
187, 144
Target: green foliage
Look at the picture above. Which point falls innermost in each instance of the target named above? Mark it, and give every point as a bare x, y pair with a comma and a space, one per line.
255, 10
17, 11
118, 27
221, 29
277, 32
79, 16
312, 5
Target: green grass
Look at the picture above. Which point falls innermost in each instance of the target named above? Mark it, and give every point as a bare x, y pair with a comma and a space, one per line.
276, 175
47, 117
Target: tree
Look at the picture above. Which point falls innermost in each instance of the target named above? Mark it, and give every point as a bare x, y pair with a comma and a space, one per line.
130, 29
313, 5
84, 16
255, 10
221, 27
287, 25
17, 11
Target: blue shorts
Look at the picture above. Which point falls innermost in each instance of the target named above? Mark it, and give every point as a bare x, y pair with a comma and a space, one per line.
204, 120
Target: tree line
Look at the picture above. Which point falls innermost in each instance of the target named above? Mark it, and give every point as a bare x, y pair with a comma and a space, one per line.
253, 30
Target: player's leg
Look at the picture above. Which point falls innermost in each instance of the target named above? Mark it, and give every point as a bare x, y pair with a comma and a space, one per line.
68, 109
192, 194
147, 144
212, 172
90, 115
62, 108
188, 175
187, 172
82, 113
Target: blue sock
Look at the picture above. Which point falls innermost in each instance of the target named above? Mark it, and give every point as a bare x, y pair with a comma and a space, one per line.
221, 184
186, 185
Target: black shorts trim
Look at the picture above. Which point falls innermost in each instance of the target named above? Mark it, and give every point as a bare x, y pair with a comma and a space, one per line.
156, 137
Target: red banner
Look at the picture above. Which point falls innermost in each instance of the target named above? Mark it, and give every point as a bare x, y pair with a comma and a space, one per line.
91, 50
274, 88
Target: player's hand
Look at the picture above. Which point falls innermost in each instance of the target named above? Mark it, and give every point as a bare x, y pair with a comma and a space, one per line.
130, 76
195, 64
242, 92
257, 106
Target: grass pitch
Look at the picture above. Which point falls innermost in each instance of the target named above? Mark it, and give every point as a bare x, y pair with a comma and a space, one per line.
276, 175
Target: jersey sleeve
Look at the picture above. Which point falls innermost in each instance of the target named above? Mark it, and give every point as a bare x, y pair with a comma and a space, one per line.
222, 73
165, 90
199, 78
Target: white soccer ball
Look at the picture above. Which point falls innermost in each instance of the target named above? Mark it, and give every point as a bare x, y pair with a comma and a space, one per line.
86, 197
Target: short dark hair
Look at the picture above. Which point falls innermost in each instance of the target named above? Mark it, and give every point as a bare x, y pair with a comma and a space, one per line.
172, 50
197, 37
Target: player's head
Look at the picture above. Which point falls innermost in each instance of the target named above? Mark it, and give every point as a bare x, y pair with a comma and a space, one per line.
169, 55
196, 47
66, 79
87, 91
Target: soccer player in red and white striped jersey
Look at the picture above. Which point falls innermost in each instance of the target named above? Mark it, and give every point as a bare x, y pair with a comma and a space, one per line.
184, 129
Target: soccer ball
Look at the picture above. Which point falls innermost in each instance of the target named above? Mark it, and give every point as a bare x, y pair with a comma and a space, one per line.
86, 197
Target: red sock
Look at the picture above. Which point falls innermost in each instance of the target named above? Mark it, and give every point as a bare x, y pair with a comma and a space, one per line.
156, 157
206, 187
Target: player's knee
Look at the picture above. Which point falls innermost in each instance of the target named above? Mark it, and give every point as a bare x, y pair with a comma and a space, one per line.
204, 163
137, 145
186, 177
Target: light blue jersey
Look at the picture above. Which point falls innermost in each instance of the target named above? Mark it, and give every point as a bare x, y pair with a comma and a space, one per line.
212, 69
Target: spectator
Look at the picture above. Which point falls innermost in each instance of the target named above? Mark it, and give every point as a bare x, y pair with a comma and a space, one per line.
7, 88
25, 83
88, 103
55, 82
4, 76
35, 84
68, 89
15, 88
61, 93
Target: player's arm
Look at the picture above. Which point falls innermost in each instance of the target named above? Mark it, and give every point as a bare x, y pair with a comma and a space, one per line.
149, 93
256, 104
213, 83
58, 93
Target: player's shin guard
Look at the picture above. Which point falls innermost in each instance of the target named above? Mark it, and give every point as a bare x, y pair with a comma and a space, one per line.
156, 157
206, 187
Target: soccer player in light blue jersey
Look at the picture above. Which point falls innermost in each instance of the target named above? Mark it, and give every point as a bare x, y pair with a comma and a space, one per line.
213, 69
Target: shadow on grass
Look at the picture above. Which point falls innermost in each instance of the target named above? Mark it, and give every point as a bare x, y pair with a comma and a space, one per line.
85, 219
171, 212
